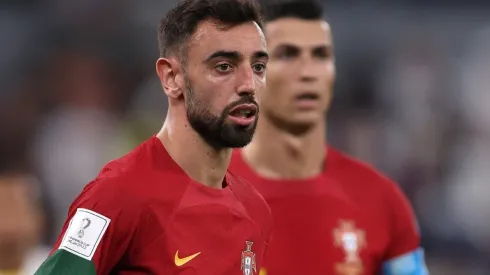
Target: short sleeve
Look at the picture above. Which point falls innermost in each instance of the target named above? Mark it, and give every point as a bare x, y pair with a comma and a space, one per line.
97, 233
404, 234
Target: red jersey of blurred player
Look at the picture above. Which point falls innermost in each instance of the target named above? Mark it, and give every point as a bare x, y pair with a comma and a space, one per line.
347, 220
170, 206
332, 214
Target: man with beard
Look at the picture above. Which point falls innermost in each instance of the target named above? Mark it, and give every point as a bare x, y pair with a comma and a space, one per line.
170, 206
332, 213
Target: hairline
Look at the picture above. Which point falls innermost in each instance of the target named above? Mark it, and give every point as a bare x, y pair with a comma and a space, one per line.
181, 49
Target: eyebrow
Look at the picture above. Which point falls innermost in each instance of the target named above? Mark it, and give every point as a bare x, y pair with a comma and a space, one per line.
235, 55
261, 55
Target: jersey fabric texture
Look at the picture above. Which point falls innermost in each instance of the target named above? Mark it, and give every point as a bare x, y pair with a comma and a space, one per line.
348, 220
144, 215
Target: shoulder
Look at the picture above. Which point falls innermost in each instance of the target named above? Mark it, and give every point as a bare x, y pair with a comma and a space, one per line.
144, 174
350, 170
131, 185
123, 206
360, 179
108, 198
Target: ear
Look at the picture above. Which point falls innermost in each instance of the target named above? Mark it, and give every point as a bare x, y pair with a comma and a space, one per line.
170, 72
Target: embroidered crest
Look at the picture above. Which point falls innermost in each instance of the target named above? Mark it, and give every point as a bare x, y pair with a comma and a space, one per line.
249, 266
351, 240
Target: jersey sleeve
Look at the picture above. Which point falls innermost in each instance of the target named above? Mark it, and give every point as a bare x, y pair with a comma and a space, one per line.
404, 255
96, 234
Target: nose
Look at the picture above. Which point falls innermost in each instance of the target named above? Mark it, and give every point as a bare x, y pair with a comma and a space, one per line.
246, 81
308, 72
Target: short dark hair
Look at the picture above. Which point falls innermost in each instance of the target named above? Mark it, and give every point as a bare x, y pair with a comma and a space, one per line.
302, 9
181, 22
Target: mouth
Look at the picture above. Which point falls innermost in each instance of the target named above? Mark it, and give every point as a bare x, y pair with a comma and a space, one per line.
308, 96
307, 100
243, 114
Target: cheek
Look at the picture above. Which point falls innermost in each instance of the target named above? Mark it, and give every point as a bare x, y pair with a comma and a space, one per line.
260, 83
329, 78
274, 99
326, 75
218, 97
328, 82
279, 77
209, 93
279, 86
331, 73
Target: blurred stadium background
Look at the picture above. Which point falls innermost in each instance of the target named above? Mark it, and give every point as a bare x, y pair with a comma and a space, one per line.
78, 88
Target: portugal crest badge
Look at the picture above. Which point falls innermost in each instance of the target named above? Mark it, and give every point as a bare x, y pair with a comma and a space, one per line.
352, 240
249, 266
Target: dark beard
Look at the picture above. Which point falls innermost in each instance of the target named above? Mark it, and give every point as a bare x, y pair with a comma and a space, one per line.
215, 130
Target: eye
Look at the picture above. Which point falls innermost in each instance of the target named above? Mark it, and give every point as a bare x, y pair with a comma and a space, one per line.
259, 68
224, 67
322, 53
287, 53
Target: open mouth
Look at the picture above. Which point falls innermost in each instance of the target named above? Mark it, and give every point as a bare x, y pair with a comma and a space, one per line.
307, 101
244, 110
308, 96
243, 114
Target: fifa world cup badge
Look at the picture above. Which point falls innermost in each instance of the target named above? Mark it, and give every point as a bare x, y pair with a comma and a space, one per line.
351, 240
249, 266
84, 225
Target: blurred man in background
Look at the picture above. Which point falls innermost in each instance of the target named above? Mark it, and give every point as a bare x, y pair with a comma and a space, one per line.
21, 224
84, 123
170, 206
332, 214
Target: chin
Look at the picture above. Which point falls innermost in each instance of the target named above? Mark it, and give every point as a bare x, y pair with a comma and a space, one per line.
307, 118
296, 122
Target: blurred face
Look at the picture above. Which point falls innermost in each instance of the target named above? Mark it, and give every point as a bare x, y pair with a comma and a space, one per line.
300, 74
20, 221
224, 69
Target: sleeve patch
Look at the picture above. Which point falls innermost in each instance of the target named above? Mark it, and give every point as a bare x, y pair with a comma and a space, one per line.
411, 263
84, 233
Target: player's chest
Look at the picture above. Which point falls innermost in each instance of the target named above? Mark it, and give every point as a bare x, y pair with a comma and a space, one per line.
207, 240
322, 235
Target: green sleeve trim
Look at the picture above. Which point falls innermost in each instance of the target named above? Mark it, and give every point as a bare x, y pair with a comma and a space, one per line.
63, 262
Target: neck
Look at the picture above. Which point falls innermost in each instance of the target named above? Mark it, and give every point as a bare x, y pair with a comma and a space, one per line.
276, 154
199, 160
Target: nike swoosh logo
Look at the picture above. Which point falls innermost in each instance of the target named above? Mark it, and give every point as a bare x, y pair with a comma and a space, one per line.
183, 261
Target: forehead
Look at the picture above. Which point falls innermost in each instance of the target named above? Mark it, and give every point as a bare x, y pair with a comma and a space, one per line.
14, 185
299, 32
246, 38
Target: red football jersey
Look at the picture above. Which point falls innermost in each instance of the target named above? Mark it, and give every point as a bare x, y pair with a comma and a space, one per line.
144, 215
347, 221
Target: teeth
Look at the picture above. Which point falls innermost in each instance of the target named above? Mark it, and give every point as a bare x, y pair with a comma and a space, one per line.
245, 112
